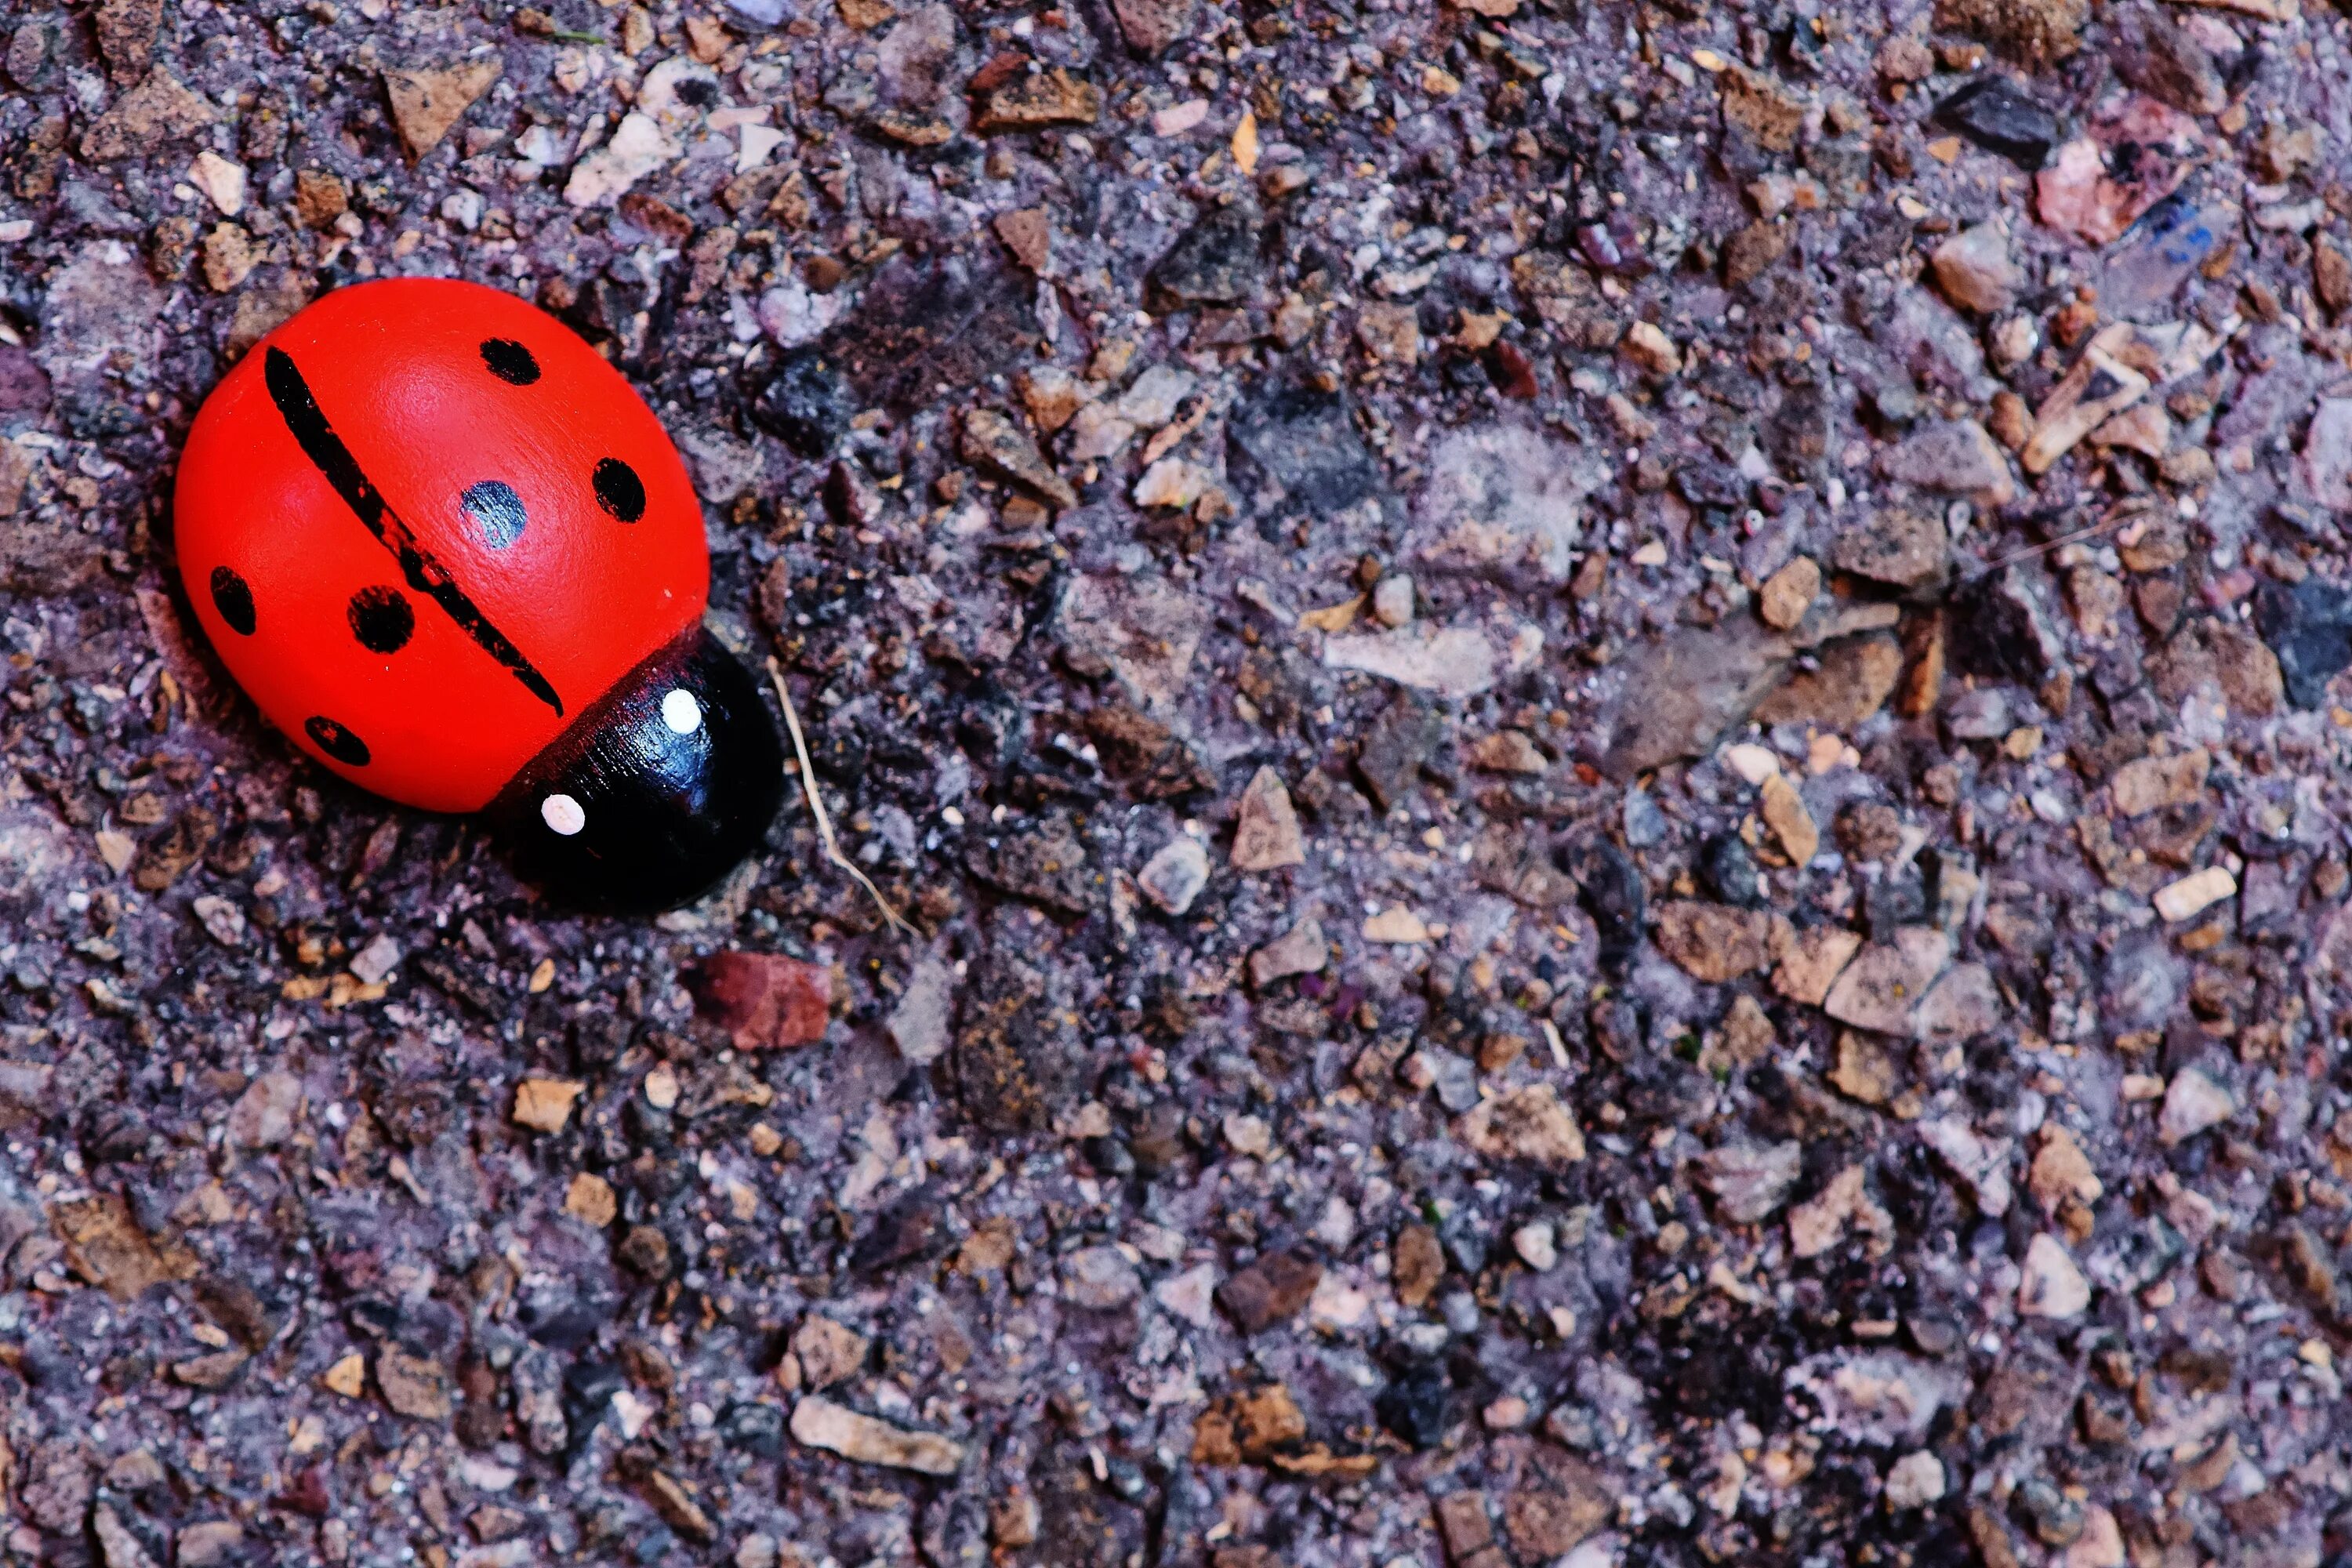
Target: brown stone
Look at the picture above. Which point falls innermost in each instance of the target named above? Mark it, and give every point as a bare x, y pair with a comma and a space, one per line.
1864, 1072
2008, 421
1506, 751
645, 1251
1390, 332
2226, 655
2307, 1261
1274, 1289
590, 1198
2152, 783
1812, 960
1145, 755
1789, 592
1151, 25
1962, 1005
1214, 1442
995, 443
1679, 694
2331, 274
158, 110
1647, 346
2101, 386
1905, 59
319, 198
1751, 250
1029, 234
263, 309
1880, 987
208, 1372
544, 1104
1922, 685
1527, 1125
230, 257
1266, 829
126, 37
2095, 600
1248, 1427
1853, 681
427, 102
1870, 830
347, 1377
828, 1353
678, 1507
1463, 1524
415, 1386
210, 1543
1952, 457
1266, 1418
2159, 601
1714, 943
2060, 1171
1746, 1033
1899, 547
105, 1245
763, 1000
1033, 102
1564, 1502
1768, 114
1784, 812
1302, 950
820, 1423
2033, 32
913, 129
2264, 1513
1994, 1546
1417, 1266
1974, 270
1819, 1222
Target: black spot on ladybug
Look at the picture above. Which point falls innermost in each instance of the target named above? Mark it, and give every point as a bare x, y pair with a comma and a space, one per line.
382, 619
619, 490
510, 360
336, 741
497, 510
233, 598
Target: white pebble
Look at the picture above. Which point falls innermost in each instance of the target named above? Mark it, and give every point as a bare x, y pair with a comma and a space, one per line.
1537, 1246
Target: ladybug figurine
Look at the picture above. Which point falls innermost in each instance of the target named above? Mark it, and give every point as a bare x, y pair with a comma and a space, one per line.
451, 553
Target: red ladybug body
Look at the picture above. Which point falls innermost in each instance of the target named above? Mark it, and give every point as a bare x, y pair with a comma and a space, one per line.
450, 551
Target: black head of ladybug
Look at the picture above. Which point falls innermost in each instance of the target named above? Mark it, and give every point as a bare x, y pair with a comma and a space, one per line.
658, 792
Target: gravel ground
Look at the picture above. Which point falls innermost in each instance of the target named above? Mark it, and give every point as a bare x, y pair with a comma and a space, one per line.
1611, 733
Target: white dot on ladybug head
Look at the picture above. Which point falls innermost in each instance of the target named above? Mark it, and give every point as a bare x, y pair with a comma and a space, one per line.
562, 815
681, 712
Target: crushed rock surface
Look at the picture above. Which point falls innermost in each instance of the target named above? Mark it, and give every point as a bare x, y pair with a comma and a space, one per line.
1616, 736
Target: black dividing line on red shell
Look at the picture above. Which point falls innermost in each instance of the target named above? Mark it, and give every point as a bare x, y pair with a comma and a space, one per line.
423, 571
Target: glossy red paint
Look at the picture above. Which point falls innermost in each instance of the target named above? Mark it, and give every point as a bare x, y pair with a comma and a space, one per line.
426, 527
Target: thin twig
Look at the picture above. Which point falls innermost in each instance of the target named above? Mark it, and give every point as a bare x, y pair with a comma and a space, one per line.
2076, 537
817, 805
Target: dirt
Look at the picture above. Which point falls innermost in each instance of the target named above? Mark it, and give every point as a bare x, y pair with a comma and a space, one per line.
1613, 735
